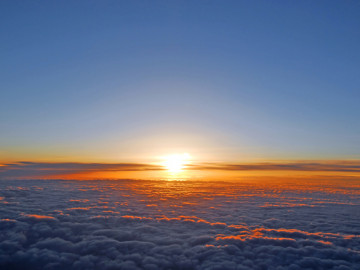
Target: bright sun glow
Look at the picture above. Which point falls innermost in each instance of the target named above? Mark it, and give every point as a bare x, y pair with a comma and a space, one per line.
177, 162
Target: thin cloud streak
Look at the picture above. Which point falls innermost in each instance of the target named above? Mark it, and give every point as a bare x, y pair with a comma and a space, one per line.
330, 166
24, 169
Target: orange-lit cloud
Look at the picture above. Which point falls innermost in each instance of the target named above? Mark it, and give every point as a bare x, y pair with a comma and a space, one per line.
35, 216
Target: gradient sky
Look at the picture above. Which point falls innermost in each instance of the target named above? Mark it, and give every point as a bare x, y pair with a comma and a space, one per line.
114, 81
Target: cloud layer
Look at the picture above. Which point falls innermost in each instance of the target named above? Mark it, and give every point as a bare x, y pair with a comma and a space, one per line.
179, 225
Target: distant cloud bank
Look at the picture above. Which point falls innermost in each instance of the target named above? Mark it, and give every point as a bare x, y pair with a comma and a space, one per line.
26, 170
334, 166
43, 170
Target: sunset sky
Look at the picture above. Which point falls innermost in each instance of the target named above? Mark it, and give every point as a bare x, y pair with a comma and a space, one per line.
129, 82
179, 134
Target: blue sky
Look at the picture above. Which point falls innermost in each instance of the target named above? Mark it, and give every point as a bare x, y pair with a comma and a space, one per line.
224, 80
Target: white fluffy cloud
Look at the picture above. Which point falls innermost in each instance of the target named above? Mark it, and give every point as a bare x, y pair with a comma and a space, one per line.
178, 225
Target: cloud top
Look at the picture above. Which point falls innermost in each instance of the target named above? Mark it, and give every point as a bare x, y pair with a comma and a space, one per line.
178, 225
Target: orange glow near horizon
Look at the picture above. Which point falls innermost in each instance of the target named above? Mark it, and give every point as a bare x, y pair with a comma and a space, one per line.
181, 166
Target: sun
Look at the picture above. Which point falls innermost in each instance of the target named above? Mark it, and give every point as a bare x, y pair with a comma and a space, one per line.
176, 163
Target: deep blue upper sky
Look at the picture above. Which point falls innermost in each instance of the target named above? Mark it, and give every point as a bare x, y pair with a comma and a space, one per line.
224, 80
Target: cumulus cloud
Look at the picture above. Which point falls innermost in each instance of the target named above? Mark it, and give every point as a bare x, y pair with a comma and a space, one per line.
190, 225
